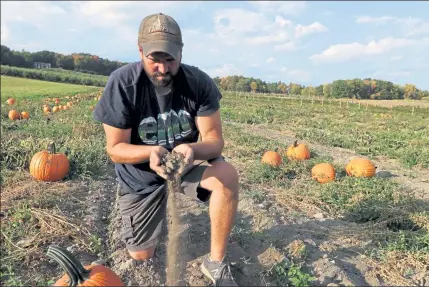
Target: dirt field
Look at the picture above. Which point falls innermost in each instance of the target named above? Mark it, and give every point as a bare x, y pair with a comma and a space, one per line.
397, 103
289, 229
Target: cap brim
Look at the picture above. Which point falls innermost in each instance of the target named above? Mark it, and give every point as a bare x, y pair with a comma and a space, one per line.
162, 46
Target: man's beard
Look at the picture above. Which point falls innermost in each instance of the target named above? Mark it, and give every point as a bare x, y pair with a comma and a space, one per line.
164, 82
159, 83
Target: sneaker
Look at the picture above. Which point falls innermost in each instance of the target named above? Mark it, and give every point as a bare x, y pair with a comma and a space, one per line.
218, 272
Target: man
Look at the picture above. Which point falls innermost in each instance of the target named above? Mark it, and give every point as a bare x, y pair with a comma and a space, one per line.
155, 106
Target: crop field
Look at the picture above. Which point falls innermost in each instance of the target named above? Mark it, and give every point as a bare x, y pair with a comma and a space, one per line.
55, 75
22, 88
290, 229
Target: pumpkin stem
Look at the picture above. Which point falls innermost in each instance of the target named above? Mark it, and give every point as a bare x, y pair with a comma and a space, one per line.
65, 264
51, 147
295, 143
75, 270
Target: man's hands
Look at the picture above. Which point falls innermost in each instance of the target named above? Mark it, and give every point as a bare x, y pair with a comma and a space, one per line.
155, 160
158, 152
188, 153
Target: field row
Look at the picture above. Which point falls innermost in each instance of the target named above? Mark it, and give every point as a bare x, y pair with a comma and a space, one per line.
379, 209
370, 131
55, 75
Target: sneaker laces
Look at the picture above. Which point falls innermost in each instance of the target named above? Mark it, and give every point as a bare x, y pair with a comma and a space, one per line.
225, 273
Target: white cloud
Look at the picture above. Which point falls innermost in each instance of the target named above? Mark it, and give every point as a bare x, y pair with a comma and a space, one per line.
236, 27
328, 13
409, 26
4, 31
316, 27
280, 7
346, 52
290, 46
112, 13
102, 13
387, 19
213, 50
420, 30
29, 46
282, 22
400, 74
238, 21
118, 17
369, 19
391, 75
37, 13
395, 58
270, 59
224, 70
296, 75
267, 39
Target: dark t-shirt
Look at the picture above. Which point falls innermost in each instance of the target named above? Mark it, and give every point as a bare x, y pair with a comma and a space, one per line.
130, 101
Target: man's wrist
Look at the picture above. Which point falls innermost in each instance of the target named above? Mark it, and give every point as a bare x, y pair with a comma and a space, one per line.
206, 150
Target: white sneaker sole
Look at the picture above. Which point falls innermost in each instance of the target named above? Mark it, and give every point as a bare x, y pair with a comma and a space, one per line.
207, 273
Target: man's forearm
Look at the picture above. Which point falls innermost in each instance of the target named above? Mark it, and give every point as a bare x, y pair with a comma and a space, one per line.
207, 149
129, 153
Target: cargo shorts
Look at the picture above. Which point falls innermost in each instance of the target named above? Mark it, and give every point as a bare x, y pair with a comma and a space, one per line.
144, 215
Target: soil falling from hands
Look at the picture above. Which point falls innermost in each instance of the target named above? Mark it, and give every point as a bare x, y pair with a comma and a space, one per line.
171, 163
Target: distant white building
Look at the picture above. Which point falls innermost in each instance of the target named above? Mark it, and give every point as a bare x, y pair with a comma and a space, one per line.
41, 65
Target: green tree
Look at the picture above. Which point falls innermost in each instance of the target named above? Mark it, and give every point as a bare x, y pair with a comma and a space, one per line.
339, 89
243, 85
327, 90
319, 90
253, 86
295, 89
410, 91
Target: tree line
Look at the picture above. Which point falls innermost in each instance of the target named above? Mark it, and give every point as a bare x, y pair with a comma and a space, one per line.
367, 88
55, 75
92, 64
79, 62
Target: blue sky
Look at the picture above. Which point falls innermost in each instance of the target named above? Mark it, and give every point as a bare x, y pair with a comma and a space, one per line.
310, 42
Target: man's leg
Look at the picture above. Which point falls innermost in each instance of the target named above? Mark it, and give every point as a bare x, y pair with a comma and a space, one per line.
142, 254
142, 221
216, 180
221, 180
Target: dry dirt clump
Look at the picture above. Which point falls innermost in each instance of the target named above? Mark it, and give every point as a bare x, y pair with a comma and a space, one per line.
171, 163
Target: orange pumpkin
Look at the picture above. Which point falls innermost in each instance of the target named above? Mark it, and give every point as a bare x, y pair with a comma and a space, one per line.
55, 109
14, 115
323, 172
79, 275
46, 109
25, 115
297, 151
10, 101
57, 101
47, 165
272, 158
360, 167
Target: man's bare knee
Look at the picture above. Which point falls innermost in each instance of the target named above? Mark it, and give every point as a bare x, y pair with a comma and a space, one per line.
219, 176
142, 254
